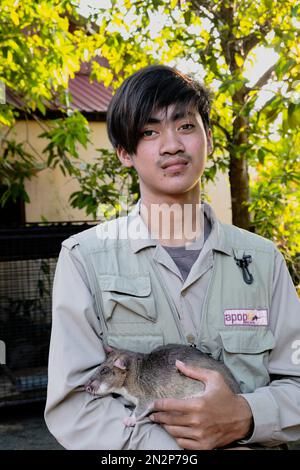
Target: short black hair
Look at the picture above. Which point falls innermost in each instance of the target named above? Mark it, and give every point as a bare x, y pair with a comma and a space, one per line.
152, 88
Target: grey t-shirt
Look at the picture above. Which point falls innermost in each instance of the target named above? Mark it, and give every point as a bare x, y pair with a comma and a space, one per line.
184, 257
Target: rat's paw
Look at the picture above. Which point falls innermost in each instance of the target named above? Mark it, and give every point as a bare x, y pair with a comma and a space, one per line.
129, 421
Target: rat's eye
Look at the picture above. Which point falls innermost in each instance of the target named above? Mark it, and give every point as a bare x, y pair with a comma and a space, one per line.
104, 371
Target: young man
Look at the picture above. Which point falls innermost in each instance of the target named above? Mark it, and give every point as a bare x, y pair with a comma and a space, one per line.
130, 284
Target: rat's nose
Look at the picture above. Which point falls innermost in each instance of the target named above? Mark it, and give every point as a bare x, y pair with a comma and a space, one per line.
92, 386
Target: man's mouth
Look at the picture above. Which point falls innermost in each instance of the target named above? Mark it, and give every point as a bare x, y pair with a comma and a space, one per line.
175, 164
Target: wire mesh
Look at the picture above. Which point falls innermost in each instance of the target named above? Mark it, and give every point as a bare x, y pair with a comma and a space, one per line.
28, 259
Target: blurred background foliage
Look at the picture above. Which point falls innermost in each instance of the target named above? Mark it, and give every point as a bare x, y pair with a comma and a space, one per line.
256, 139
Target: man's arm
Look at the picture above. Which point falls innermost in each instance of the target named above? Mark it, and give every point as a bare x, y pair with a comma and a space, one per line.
77, 419
275, 408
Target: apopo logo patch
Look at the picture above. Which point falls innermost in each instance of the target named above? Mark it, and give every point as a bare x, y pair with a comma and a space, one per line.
246, 317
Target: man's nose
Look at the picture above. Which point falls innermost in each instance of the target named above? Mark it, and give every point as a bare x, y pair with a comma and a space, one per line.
170, 142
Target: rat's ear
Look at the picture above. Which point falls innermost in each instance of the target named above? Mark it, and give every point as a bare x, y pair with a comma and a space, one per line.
108, 349
122, 363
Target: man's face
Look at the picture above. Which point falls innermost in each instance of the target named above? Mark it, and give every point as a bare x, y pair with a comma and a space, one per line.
171, 153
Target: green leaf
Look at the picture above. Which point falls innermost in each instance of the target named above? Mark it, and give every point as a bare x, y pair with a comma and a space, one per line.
261, 155
187, 17
41, 107
239, 60
294, 115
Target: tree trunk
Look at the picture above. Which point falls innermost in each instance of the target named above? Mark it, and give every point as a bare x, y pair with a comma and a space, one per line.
239, 188
224, 20
238, 175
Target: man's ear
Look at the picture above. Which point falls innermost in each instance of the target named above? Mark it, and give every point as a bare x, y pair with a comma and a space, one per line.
210, 145
124, 157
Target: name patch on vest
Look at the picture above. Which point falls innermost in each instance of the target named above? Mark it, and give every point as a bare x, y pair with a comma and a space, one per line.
246, 317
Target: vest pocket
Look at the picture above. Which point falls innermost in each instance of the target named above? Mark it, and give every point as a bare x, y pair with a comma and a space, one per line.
246, 353
142, 343
127, 300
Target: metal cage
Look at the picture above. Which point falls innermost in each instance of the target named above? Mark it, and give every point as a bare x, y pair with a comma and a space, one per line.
28, 259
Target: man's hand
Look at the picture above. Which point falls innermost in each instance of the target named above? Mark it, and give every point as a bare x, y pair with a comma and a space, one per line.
215, 419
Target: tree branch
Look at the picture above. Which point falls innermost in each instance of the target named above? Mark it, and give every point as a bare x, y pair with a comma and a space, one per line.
225, 131
198, 6
263, 79
250, 41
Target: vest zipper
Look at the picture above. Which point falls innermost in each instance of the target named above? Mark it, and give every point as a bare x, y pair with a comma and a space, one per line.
204, 308
174, 310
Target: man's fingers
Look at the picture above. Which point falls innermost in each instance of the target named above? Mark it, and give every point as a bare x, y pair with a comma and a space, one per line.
173, 419
198, 373
187, 439
173, 404
185, 432
190, 444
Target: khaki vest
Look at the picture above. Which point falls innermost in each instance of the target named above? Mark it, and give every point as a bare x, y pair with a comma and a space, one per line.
137, 312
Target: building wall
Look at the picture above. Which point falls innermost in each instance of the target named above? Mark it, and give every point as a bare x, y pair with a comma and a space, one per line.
218, 194
50, 190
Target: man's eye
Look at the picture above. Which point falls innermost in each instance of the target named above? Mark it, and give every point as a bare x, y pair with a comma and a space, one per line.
187, 126
147, 133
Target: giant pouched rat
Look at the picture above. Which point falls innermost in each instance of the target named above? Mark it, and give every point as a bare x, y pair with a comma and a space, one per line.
142, 378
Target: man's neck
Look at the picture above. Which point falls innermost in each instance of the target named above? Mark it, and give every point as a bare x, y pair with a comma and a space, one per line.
173, 221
